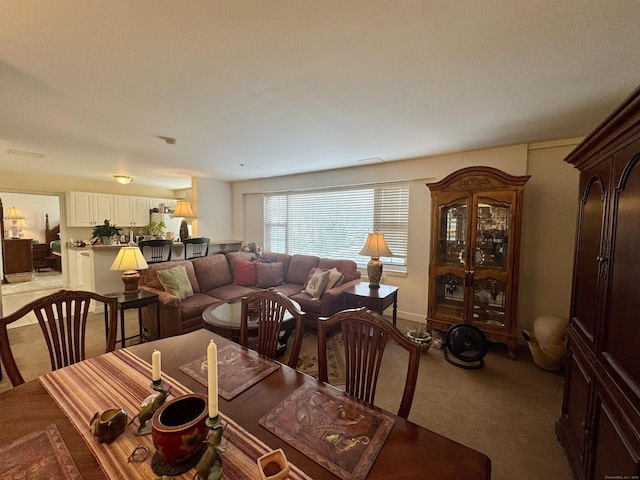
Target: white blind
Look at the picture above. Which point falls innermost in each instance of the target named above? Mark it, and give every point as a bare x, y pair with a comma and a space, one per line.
334, 223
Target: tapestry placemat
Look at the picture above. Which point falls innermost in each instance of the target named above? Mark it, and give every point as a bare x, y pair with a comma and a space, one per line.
340, 434
238, 369
38, 455
121, 379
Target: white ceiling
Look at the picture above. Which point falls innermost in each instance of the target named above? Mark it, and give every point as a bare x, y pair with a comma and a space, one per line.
259, 88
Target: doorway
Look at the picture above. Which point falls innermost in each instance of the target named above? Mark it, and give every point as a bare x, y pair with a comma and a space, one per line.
41, 215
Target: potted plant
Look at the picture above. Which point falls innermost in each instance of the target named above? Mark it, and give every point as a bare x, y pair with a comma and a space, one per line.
105, 232
155, 228
421, 336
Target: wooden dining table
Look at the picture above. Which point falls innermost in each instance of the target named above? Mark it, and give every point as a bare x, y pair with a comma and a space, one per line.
410, 451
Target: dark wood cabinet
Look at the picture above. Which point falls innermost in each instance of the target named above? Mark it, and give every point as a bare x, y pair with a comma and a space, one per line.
600, 422
475, 249
17, 255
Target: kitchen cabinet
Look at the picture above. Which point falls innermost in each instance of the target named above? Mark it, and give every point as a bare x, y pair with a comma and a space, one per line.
128, 211
86, 209
474, 257
168, 202
80, 269
600, 422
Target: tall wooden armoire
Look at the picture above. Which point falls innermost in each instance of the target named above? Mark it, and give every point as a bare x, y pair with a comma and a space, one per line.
600, 422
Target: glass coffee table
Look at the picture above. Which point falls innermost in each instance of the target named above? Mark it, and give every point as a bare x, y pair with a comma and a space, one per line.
224, 319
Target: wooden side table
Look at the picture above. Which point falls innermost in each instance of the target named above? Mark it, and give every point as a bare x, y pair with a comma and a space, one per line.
138, 299
376, 299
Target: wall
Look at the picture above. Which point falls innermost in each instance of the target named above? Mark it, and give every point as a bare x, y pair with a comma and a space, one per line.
553, 196
211, 201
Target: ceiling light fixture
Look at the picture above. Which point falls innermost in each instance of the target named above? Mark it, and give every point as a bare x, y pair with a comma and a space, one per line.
123, 179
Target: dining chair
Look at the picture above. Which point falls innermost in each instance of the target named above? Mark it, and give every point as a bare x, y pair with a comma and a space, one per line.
158, 251
196, 247
271, 308
365, 336
63, 318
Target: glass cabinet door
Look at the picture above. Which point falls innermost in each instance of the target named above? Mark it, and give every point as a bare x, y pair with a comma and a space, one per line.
452, 231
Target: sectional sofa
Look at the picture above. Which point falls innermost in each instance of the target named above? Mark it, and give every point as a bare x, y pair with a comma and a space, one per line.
223, 277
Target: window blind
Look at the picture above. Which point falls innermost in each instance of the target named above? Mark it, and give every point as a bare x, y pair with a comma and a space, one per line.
334, 222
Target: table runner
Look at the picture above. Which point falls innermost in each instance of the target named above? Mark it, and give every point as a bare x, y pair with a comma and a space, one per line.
340, 434
121, 379
39, 455
238, 369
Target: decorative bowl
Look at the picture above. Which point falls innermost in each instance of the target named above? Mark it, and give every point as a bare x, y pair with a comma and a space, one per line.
273, 466
422, 339
178, 428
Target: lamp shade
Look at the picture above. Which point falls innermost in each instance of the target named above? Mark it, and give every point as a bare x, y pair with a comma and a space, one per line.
376, 246
130, 260
183, 209
13, 214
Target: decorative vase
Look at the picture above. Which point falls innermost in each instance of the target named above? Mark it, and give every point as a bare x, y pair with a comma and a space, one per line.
178, 430
106, 240
422, 339
273, 466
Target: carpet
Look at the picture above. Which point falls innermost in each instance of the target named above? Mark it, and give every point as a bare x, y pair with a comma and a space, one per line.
308, 359
41, 281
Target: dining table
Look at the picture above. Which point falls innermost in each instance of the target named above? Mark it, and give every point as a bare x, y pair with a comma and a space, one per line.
408, 451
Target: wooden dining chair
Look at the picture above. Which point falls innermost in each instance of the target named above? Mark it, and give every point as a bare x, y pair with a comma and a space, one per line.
270, 307
62, 317
365, 336
196, 247
156, 251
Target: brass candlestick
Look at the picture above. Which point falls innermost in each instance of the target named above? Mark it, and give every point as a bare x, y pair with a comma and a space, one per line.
210, 465
149, 406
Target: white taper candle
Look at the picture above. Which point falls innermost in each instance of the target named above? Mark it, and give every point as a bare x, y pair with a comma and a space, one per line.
212, 370
155, 363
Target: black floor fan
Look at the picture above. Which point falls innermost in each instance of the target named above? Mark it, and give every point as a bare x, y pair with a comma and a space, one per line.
465, 346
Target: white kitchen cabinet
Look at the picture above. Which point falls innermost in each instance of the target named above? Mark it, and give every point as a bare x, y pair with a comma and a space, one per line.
169, 202
130, 210
86, 209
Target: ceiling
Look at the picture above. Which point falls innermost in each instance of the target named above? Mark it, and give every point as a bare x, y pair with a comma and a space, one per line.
260, 88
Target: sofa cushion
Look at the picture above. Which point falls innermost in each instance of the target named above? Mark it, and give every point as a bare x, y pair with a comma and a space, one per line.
269, 274
231, 291
212, 271
334, 280
233, 257
316, 284
285, 258
299, 268
348, 268
149, 276
307, 303
194, 306
245, 273
175, 281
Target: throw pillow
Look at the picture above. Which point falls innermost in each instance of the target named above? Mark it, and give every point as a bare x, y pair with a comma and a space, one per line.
175, 281
316, 285
245, 273
335, 279
269, 274
269, 259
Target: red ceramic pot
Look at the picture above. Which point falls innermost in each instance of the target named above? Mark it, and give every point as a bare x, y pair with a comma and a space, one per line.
178, 428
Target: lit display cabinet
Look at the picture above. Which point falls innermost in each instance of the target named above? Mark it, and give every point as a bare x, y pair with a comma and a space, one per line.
474, 255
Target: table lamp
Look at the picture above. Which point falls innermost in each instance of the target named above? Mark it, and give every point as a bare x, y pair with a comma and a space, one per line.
183, 209
375, 247
14, 215
130, 260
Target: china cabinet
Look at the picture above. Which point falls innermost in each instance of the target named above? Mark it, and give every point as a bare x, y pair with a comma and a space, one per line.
600, 422
474, 256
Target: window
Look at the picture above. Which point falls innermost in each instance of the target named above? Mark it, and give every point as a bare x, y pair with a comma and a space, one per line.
334, 223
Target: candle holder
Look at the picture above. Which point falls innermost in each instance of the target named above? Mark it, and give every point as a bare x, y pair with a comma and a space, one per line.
149, 406
210, 465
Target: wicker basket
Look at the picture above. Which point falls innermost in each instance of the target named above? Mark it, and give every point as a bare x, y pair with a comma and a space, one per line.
19, 277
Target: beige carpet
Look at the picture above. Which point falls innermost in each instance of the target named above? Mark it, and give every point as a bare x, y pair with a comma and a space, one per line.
506, 410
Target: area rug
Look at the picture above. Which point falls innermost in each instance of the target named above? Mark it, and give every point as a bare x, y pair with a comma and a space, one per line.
38, 455
308, 360
336, 432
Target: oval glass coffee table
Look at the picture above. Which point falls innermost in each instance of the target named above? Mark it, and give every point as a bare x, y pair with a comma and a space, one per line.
224, 319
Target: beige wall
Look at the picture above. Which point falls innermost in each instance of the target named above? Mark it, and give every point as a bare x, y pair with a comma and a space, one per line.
547, 252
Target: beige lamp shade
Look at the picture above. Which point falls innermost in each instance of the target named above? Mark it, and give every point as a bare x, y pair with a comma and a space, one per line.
15, 215
183, 209
130, 260
375, 247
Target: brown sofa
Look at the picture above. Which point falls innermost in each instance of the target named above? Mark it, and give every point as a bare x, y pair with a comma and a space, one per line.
212, 281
